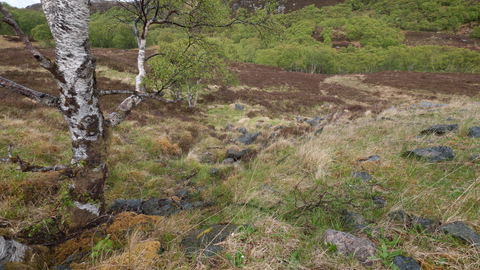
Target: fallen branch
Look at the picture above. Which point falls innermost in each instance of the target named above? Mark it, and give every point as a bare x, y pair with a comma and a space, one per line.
27, 167
280, 161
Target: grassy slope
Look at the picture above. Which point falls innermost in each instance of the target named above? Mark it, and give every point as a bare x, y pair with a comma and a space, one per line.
160, 145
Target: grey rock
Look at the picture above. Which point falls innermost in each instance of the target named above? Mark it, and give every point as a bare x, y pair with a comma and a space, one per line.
182, 193
230, 153
318, 119
370, 158
268, 125
228, 161
400, 216
229, 127
378, 201
406, 263
238, 155
440, 129
249, 138
125, 205
186, 205
474, 132
235, 6
475, 157
318, 131
432, 154
11, 251
348, 244
151, 207
450, 119
242, 130
197, 204
239, 107
61, 267
258, 126
214, 171
424, 222
205, 240
354, 221
278, 128
299, 118
463, 110
423, 105
273, 135
310, 121
365, 176
460, 230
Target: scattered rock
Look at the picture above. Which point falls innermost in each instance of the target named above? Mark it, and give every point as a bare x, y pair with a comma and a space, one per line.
432, 154
242, 130
248, 138
203, 241
299, 119
236, 155
379, 201
424, 105
354, 221
440, 129
230, 153
348, 244
318, 131
278, 127
370, 158
424, 222
229, 127
182, 193
150, 207
406, 263
214, 171
400, 216
475, 157
239, 107
450, 119
474, 132
365, 176
462, 231
125, 205
318, 119
273, 135
11, 251
268, 125
228, 161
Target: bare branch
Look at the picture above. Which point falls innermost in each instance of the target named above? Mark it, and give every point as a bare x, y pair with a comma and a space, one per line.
41, 97
42, 60
156, 96
153, 55
122, 111
27, 167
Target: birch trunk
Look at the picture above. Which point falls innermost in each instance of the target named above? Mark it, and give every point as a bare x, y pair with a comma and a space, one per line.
68, 20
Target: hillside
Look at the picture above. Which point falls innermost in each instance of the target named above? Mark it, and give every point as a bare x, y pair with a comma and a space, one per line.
327, 154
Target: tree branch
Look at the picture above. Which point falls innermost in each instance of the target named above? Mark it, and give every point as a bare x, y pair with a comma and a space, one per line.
42, 60
27, 167
143, 95
153, 55
41, 97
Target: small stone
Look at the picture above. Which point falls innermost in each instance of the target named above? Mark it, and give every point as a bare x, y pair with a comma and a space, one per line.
299, 118
242, 130
406, 263
354, 221
474, 132
186, 205
348, 244
273, 135
379, 201
258, 126
424, 222
370, 158
475, 157
228, 161
249, 138
239, 107
365, 176
400, 216
230, 153
125, 205
432, 154
318, 119
450, 119
214, 171
278, 127
240, 154
440, 129
197, 204
462, 231
318, 131
268, 125
182, 193
310, 121
229, 127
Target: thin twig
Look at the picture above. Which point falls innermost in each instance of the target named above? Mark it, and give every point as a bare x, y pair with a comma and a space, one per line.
280, 161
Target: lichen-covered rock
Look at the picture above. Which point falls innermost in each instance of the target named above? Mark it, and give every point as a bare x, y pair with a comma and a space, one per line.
348, 244
11, 251
474, 132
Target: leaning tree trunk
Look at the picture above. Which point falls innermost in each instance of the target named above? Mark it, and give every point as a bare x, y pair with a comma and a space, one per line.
78, 102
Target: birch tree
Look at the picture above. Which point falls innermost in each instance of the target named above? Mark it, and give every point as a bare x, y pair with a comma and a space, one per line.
78, 95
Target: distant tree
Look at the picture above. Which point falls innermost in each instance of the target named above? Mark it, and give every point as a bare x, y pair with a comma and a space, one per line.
78, 100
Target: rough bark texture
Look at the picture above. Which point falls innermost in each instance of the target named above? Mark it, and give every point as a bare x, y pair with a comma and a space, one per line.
68, 20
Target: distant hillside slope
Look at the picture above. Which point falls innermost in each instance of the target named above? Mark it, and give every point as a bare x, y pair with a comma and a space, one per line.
285, 6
